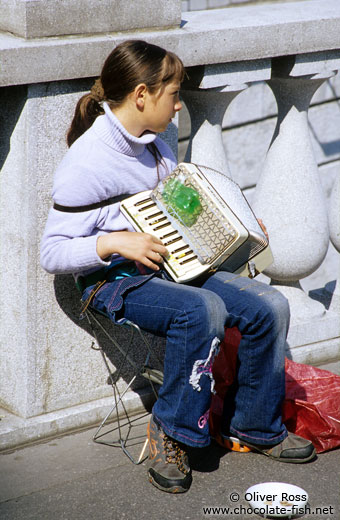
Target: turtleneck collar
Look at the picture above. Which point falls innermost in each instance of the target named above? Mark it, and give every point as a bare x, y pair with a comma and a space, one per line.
115, 135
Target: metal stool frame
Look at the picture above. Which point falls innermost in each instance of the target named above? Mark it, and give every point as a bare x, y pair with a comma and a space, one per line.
152, 375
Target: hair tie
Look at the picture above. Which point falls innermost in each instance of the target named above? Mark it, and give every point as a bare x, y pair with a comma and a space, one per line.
97, 91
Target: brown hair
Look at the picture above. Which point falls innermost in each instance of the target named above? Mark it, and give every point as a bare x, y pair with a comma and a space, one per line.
129, 64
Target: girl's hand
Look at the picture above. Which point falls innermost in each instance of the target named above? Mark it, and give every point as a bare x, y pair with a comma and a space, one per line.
141, 247
263, 227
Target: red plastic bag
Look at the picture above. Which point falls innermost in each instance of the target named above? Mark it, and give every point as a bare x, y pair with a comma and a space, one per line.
311, 407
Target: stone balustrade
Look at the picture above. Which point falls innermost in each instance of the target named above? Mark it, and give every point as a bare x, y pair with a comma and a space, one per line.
53, 381
288, 196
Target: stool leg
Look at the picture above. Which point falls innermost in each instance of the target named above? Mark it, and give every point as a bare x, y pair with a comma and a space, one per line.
150, 374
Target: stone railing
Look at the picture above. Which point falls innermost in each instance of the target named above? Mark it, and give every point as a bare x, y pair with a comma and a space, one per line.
51, 381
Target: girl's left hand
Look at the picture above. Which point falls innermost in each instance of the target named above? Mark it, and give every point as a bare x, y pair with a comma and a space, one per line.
263, 227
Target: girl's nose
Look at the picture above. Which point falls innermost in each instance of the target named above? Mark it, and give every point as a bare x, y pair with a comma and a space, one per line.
178, 106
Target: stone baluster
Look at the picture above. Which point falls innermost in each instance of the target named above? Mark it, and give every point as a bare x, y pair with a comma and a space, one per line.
207, 93
289, 197
334, 231
206, 108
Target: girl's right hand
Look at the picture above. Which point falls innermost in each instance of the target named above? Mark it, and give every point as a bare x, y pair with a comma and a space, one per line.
141, 247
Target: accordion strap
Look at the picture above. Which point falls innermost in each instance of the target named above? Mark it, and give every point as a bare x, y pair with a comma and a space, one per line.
90, 207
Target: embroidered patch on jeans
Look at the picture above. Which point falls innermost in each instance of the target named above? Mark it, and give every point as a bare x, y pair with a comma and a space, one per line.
202, 421
204, 367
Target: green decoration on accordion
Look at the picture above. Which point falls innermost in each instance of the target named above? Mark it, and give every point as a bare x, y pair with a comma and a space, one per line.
182, 201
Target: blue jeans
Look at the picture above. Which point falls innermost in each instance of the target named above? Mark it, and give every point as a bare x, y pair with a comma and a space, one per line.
192, 318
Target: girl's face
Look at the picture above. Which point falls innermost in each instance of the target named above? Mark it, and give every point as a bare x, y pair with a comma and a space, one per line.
161, 107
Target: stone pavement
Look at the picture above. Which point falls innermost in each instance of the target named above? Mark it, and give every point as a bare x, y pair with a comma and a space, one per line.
71, 478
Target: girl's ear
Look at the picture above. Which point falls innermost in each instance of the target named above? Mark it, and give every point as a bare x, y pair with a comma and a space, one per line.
139, 95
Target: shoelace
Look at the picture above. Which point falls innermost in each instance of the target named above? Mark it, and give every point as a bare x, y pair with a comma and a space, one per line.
174, 454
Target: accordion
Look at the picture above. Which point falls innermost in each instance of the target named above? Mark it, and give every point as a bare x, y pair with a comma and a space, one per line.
205, 222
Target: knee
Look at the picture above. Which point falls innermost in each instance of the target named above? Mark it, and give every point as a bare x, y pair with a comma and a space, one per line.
211, 311
279, 304
276, 307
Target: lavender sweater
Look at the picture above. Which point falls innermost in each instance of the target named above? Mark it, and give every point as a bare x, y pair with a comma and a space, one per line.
104, 162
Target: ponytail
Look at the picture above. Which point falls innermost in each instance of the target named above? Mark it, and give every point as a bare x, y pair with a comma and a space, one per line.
87, 110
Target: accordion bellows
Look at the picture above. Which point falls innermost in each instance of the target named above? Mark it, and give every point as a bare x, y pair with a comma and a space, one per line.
204, 220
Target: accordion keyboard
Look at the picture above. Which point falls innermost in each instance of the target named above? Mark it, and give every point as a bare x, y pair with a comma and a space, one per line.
182, 262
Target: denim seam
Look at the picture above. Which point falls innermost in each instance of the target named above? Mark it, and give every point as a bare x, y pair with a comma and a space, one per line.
173, 432
124, 282
282, 435
158, 307
122, 286
184, 379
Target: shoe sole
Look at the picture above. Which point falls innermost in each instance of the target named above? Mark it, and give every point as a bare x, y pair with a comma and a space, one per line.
286, 459
243, 447
173, 489
281, 459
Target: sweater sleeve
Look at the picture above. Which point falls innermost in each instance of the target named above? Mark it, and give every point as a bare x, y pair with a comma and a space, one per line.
68, 244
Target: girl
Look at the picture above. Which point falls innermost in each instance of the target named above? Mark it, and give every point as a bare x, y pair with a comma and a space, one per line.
115, 150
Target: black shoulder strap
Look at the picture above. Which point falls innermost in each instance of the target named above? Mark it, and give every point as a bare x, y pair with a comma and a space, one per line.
90, 207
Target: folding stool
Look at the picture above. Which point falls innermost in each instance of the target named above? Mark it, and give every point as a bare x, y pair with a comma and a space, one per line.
153, 375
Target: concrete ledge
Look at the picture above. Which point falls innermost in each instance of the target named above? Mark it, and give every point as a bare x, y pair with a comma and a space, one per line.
45, 18
313, 331
205, 37
15, 431
317, 354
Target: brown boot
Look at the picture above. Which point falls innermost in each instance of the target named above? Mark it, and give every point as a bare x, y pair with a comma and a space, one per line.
169, 468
